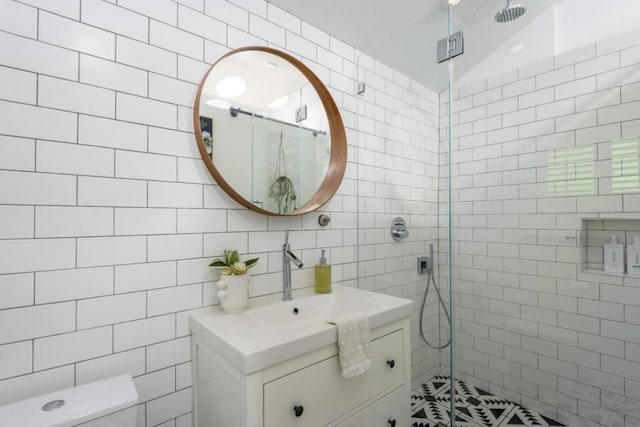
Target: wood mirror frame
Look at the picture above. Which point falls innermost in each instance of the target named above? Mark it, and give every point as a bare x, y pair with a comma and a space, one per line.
338, 156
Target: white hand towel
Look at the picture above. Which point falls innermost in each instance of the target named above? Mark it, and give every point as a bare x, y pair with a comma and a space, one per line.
353, 343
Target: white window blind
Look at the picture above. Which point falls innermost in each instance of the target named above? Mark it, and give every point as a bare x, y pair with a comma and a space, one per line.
625, 167
570, 171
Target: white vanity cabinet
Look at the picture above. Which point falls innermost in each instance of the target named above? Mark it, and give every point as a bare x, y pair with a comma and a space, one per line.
388, 411
307, 390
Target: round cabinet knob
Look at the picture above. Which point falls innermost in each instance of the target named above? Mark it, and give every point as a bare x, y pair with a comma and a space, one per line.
391, 364
392, 422
298, 410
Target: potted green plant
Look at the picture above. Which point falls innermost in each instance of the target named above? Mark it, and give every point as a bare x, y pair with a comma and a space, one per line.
283, 193
233, 287
282, 190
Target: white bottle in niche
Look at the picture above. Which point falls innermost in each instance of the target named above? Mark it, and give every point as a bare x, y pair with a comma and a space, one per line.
633, 257
614, 256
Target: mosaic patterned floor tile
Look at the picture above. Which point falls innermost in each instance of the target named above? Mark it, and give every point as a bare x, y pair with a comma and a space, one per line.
424, 416
462, 421
486, 417
427, 424
475, 407
523, 417
465, 394
435, 415
433, 387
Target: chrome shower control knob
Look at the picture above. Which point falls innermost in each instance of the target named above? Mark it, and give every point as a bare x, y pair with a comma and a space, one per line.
399, 230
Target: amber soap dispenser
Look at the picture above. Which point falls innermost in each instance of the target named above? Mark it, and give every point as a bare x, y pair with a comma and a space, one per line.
323, 275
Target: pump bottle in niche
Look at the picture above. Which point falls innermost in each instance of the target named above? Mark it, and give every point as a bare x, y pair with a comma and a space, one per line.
614, 256
633, 257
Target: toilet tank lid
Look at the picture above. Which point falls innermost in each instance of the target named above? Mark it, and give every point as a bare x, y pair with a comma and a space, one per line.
81, 404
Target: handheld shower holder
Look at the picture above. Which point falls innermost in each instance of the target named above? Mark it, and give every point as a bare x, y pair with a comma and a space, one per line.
424, 265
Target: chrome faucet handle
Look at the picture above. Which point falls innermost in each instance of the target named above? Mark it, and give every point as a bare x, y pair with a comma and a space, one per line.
294, 259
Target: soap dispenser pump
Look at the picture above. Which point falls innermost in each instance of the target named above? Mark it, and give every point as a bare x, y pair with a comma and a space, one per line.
322, 272
613, 256
633, 257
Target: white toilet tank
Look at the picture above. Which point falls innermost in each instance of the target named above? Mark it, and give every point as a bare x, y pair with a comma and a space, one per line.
107, 403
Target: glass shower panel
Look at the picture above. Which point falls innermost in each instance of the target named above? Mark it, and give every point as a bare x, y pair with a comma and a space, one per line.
545, 138
397, 157
544, 133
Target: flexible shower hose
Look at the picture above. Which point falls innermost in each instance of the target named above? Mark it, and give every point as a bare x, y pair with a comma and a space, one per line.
430, 277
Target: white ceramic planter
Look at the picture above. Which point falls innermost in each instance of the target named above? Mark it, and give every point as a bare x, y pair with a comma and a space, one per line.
233, 293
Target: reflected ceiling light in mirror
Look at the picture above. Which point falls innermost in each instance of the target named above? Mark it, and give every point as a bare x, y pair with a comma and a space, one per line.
220, 103
231, 86
278, 102
516, 48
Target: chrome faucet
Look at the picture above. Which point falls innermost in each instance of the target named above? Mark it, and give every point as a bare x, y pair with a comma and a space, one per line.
287, 258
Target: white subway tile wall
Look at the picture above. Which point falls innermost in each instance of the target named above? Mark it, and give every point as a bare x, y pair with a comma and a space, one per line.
108, 219
530, 325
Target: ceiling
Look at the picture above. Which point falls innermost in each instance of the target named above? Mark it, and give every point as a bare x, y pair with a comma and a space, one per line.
403, 33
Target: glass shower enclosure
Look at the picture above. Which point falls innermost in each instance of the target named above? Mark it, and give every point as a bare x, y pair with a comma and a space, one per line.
517, 160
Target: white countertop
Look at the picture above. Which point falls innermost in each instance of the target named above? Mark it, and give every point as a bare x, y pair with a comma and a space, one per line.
264, 335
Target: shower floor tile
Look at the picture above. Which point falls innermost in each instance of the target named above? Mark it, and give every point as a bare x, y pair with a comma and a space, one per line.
430, 403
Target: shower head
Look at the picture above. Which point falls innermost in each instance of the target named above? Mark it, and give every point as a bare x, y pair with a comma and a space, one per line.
511, 12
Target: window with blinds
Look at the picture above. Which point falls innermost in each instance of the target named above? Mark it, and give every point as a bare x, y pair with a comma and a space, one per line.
625, 166
570, 171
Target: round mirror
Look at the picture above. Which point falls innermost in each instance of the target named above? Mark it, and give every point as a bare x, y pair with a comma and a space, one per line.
269, 132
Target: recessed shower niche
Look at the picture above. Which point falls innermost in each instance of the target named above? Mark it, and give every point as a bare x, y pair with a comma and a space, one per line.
596, 232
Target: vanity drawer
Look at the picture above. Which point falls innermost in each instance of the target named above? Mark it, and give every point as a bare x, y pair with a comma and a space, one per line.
390, 411
322, 395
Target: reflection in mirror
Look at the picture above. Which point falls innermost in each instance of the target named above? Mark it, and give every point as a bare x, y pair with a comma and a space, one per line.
270, 133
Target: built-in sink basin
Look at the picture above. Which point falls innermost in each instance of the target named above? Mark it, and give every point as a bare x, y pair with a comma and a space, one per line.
308, 313
267, 334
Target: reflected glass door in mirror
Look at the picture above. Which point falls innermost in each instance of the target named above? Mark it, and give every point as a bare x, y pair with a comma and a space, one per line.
269, 132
